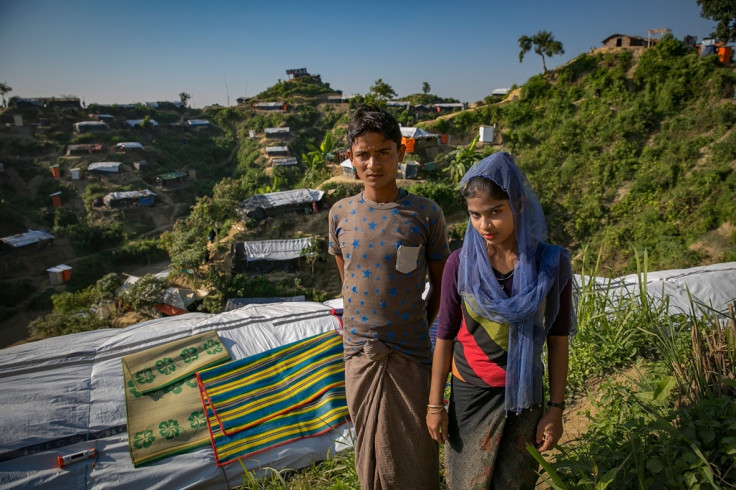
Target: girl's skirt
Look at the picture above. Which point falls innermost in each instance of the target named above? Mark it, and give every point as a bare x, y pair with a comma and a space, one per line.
486, 448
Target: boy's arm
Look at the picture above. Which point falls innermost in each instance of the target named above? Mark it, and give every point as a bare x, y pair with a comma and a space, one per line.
340, 266
435, 290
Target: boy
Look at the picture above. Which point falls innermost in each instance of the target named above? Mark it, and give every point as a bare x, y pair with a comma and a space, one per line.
385, 241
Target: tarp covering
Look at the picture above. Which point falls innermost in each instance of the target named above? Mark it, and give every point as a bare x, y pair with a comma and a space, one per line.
128, 146
417, 133
106, 167
262, 205
65, 395
710, 286
28, 238
233, 303
201, 123
143, 197
276, 249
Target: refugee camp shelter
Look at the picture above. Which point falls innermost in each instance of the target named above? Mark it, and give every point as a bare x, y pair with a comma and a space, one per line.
129, 198
108, 118
270, 106
410, 137
30, 239
347, 168
171, 179
138, 123
623, 41
83, 149
129, 147
276, 203
261, 257
90, 126
102, 168
177, 301
284, 161
197, 124
66, 395
277, 151
277, 132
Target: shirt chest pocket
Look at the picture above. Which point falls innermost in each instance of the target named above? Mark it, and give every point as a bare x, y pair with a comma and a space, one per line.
408, 258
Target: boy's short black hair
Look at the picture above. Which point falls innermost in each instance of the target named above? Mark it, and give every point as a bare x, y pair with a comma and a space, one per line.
372, 119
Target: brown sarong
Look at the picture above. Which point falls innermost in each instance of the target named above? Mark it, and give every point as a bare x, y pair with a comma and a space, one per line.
387, 398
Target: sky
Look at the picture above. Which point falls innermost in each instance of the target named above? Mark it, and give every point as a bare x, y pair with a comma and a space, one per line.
130, 51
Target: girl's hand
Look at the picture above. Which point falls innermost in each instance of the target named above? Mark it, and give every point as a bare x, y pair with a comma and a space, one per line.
549, 429
437, 424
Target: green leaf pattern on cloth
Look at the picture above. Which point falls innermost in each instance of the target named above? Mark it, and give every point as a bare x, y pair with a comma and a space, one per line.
196, 420
169, 429
189, 355
143, 439
174, 388
133, 390
145, 376
212, 347
166, 366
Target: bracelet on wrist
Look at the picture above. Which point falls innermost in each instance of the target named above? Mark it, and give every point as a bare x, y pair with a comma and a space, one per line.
561, 406
435, 406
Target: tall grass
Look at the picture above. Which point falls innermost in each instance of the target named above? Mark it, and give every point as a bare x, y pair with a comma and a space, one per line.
671, 423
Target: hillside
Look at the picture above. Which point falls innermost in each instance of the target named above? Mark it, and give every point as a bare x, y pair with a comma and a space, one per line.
627, 151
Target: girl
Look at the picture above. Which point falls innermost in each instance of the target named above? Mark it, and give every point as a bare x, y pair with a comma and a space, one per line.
504, 294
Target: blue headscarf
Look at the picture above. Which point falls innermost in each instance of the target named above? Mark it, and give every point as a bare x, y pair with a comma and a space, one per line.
531, 284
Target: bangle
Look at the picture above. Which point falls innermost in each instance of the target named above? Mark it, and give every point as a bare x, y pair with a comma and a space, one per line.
435, 406
561, 406
433, 411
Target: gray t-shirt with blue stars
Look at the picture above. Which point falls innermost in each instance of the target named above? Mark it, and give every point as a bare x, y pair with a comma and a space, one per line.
386, 248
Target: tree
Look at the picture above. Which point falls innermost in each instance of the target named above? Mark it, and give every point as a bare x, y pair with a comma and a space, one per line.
184, 98
461, 159
316, 161
4, 89
723, 12
426, 88
145, 293
544, 44
382, 90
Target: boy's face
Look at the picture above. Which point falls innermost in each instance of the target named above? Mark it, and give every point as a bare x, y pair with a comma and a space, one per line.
376, 160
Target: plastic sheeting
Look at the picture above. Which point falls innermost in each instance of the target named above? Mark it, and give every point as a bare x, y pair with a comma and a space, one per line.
65, 395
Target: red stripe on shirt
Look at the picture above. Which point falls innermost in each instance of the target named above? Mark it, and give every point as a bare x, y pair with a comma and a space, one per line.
477, 360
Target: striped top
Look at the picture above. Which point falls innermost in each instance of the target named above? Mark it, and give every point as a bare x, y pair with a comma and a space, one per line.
481, 345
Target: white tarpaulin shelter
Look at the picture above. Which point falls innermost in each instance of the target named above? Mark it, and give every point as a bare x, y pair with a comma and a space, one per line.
105, 167
712, 287
65, 395
417, 133
274, 203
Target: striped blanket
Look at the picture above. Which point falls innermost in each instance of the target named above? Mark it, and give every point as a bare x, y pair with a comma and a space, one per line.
162, 400
275, 397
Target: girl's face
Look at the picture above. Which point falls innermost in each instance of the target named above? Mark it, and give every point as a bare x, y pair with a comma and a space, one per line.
494, 220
